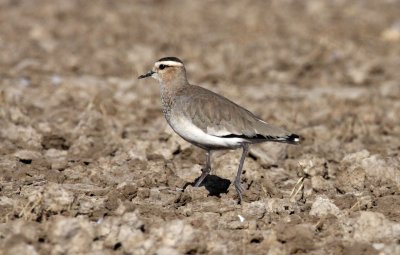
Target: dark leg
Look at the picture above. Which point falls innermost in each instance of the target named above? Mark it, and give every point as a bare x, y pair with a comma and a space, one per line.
206, 169
238, 187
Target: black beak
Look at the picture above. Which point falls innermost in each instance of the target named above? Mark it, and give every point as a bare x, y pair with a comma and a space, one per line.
150, 73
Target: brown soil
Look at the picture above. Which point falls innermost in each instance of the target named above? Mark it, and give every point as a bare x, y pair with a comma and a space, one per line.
89, 166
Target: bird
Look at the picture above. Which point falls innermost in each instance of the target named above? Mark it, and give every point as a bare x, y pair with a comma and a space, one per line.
208, 120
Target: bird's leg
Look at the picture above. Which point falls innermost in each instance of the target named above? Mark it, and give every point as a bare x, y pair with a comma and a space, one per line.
238, 187
206, 169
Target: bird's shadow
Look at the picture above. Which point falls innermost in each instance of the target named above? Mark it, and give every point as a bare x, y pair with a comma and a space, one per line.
215, 185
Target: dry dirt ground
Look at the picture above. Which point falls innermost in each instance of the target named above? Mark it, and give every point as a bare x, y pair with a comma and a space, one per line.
89, 166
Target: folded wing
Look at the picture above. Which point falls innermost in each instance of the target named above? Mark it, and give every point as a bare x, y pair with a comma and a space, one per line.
218, 116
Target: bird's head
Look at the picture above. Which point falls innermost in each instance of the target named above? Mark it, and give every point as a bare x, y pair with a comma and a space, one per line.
167, 70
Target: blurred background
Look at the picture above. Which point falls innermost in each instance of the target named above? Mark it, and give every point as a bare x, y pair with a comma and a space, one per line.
81, 136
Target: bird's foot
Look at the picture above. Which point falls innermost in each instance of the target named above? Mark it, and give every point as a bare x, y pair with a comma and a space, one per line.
239, 190
203, 175
198, 182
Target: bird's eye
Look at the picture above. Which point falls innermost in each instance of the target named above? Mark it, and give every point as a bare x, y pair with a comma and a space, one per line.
161, 67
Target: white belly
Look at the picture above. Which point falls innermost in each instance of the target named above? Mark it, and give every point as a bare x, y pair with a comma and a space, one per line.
191, 133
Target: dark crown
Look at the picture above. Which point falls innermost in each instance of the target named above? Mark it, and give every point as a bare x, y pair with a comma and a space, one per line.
171, 59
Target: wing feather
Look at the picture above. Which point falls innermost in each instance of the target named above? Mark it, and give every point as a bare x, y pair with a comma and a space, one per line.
218, 116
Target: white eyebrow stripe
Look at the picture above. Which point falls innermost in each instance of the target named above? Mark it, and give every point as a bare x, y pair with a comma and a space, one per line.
169, 63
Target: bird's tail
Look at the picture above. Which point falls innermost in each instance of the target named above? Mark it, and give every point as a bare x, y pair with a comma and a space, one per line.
276, 134
291, 139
